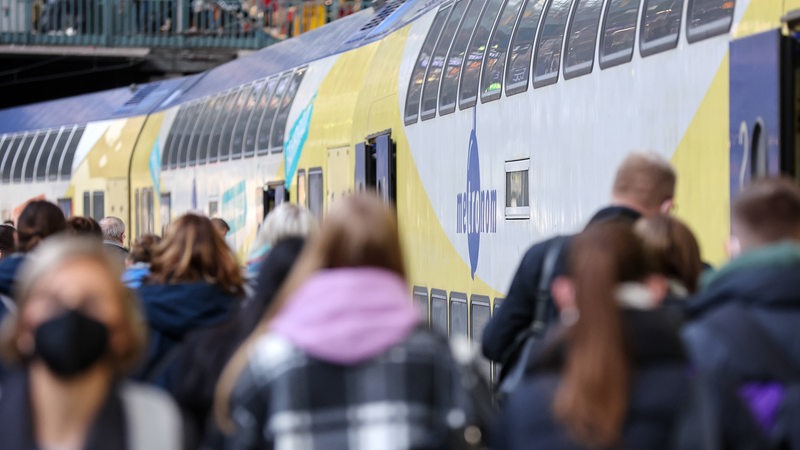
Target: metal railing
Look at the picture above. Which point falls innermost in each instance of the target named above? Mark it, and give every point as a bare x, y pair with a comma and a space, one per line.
165, 23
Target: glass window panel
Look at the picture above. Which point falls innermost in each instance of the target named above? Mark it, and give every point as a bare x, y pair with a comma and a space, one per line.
709, 18
58, 154
251, 102
257, 116
262, 140
315, 193
48, 148
421, 65
204, 136
193, 115
279, 127
69, 154
439, 311
87, 204
19, 158
430, 90
471, 70
98, 205
33, 155
65, 204
517, 189
661, 25
200, 132
230, 113
547, 60
223, 108
582, 38
519, 61
480, 315
448, 92
492, 79
459, 325
8, 163
421, 300
169, 157
5, 146
619, 32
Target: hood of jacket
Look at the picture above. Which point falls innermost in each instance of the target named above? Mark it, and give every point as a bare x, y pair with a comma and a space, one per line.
767, 277
175, 309
8, 272
346, 316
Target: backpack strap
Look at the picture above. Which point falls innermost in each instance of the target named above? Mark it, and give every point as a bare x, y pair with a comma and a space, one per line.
152, 419
748, 339
548, 273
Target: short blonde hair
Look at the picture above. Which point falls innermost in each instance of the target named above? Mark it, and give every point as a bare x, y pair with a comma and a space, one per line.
53, 254
285, 221
646, 179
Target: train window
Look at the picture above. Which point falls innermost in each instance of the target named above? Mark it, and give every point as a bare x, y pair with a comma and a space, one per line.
581, 38
420, 66
193, 114
250, 103
19, 160
421, 300
707, 18
301, 188
480, 312
200, 131
48, 147
430, 90
168, 158
256, 117
661, 26
548, 47
204, 137
316, 195
231, 112
5, 145
473, 61
448, 92
98, 205
8, 162
224, 107
439, 311
33, 155
57, 155
619, 32
279, 127
263, 137
87, 204
459, 325
521, 50
65, 205
517, 196
493, 67
69, 153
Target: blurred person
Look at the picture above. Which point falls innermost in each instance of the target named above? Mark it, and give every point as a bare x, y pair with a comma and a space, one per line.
78, 332
744, 321
84, 226
614, 374
286, 220
38, 220
674, 250
8, 241
139, 259
114, 237
342, 342
194, 282
9, 222
644, 186
221, 226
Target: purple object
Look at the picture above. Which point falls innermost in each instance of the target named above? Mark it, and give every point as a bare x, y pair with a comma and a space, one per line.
764, 400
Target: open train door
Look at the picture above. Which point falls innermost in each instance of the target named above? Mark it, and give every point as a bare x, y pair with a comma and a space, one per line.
763, 107
376, 165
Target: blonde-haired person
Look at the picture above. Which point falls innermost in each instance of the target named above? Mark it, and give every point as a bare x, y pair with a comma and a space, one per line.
194, 282
77, 333
342, 344
285, 221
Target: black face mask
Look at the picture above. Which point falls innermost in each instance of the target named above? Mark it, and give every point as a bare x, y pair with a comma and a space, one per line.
70, 343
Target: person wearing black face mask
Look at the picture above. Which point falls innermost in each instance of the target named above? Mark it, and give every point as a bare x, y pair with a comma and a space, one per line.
77, 332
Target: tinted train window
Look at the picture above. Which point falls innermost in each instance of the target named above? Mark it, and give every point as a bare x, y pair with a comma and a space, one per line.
232, 110
255, 118
439, 311
421, 300
279, 128
492, 79
480, 314
48, 147
168, 142
262, 141
54, 162
33, 155
19, 160
661, 26
619, 32
548, 47
423, 59
519, 62
8, 163
455, 57
459, 325
430, 91
708, 18
98, 205
87, 204
69, 153
250, 103
193, 115
5, 144
582, 37
169, 157
223, 109
204, 131
315, 192
200, 130
471, 70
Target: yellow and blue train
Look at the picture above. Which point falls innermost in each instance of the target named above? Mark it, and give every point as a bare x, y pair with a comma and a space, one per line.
491, 123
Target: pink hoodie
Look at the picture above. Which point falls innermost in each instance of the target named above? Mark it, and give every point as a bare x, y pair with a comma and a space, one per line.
346, 316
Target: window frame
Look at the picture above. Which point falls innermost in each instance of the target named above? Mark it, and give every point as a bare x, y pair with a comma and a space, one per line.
582, 68
553, 77
472, 101
709, 30
440, 295
661, 44
519, 87
495, 95
434, 32
617, 58
517, 212
427, 114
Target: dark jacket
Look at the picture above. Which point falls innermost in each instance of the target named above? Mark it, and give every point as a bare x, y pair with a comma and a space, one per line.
766, 282
174, 310
117, 252
8, 275
661, 395
518, 309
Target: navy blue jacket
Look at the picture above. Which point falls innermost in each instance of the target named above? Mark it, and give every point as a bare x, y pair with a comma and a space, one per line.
8, 275
174, 310
519, 307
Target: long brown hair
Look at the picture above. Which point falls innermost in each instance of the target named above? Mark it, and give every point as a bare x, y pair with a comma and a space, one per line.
592, 400
673, 249
360, 231
191, 251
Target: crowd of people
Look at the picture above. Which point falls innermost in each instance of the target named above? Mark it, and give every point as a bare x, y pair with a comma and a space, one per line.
620, 336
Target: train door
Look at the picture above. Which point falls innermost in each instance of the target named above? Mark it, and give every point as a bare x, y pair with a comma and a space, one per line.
376, 165
273, 195
763, 107
339, 181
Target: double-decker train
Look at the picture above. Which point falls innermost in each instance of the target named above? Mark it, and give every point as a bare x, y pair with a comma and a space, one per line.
490, 123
